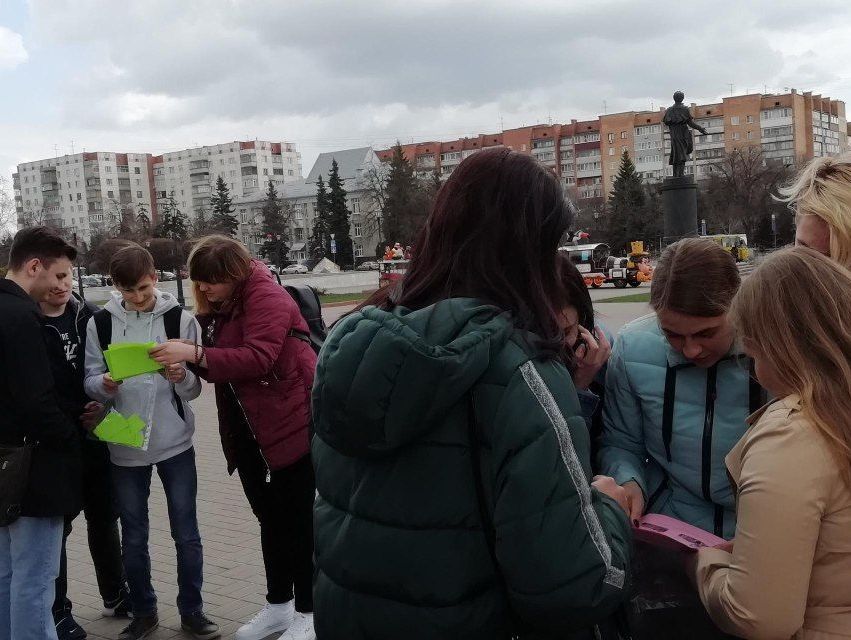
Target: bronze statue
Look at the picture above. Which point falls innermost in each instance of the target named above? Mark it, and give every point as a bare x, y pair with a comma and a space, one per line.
678, 120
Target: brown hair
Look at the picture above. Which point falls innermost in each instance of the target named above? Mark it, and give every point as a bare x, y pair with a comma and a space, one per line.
823, 189
695, 277
795, 309
130, 264
42, 243
216, 259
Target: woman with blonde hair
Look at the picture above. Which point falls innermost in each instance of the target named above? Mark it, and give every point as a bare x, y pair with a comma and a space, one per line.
256, 350
821, 197
788, 572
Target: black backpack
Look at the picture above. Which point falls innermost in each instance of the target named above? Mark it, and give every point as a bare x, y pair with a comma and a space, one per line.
310, 307
171, 321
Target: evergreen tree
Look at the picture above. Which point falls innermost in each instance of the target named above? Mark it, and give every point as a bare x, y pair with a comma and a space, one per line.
320, 240
143, 219
275, 228
173, 223
338, 219
406, 202
625, 209
223, 221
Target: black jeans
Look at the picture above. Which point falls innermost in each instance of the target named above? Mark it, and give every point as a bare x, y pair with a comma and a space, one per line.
284, 508
102, 524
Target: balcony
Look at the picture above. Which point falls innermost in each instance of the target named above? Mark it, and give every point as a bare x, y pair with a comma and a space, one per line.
248, 158
197, 178
199, 166
49, 187
249, 171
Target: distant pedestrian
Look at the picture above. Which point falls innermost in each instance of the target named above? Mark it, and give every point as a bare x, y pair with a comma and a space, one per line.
256, 349
31, 415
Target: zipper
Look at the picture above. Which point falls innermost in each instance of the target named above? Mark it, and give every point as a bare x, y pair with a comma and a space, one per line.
250, 430
708, 425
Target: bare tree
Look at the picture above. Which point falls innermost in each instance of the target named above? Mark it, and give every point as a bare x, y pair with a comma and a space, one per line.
737, 197
8, 216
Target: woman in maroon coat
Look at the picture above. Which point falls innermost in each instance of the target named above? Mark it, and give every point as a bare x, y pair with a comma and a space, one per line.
255, 352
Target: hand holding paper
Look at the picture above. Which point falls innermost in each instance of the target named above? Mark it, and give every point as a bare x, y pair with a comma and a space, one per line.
130, 359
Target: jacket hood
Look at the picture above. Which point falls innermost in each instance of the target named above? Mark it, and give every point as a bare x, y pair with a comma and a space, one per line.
386, 378
165, 301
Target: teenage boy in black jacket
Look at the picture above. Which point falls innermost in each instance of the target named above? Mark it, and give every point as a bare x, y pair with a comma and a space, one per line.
30, 546
65, 320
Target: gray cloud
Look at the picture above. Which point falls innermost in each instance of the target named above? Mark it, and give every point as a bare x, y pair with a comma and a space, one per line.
320, 72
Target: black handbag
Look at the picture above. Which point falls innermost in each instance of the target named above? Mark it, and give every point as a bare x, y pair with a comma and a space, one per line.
15, 464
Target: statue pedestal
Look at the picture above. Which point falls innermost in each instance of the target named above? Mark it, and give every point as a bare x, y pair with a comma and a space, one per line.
679, 203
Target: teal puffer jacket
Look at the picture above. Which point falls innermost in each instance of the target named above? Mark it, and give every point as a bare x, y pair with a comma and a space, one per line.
682, 475
400, 546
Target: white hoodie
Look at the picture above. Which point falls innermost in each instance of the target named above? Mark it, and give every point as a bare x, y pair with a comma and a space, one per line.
149, 396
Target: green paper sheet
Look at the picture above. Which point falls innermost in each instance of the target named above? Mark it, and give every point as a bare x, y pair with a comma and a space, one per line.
117, 429
130, 359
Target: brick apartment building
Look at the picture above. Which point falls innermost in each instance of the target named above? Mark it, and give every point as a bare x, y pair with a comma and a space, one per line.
791, 128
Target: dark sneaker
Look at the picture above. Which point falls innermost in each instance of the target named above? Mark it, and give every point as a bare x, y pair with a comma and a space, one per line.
118, 608
199, 626
68, 629
140, 628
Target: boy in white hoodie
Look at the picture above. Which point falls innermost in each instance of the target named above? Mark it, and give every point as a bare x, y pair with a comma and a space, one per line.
139, 312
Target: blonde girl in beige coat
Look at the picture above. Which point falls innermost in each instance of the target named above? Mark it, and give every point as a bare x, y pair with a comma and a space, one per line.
787, 573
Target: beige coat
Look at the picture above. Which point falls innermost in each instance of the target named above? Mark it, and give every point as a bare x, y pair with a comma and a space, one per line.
789, 575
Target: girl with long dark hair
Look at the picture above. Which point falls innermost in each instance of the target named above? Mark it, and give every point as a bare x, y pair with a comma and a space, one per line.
452, 460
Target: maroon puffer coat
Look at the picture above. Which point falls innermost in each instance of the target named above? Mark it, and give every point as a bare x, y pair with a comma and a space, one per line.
270, 372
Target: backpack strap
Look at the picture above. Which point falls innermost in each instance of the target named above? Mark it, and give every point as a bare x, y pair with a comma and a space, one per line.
171, 322
103, 324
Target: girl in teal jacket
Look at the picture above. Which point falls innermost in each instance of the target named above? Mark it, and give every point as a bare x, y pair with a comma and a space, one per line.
678, 392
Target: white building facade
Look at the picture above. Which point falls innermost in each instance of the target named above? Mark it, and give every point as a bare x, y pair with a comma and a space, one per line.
357, 169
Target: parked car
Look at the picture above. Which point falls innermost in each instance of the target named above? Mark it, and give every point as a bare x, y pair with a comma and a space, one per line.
295, 268
93, 281
166, 276
369, 265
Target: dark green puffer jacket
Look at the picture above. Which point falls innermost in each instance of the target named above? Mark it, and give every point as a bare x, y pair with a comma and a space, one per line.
400, 547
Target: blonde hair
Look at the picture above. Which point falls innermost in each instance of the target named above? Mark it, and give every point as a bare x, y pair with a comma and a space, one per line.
695, 277
795, 309
216, 259
823, 189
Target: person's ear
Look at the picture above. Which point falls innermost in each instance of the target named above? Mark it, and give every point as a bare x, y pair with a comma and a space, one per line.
33, 266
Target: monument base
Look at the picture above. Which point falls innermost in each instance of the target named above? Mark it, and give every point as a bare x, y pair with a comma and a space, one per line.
679, 204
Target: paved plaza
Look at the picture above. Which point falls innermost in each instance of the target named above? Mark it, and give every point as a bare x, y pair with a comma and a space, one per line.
234, 582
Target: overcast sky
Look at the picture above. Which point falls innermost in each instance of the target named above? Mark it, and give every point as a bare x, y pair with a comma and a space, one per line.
160, 75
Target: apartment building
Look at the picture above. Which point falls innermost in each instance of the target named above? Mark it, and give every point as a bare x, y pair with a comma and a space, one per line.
86, 193
83, 192
790, 128
246, 167
355, 167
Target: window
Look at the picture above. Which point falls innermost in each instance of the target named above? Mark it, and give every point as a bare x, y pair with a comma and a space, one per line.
277, 172
110, 194
355, 202
290, 172
611, 151
750, 134
358, 251
750, 119
611, 138
357, 226
736, 136
108, 169
136, 170
265, 172
231, 160
171, 169
109, 181
138, 194
734, 120
623, 135
243, 216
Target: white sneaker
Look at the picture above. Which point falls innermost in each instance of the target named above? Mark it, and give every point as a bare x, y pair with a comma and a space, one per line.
301, 628
272, 618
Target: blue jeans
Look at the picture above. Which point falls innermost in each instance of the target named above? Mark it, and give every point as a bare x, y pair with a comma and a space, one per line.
29, 564
132, 487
